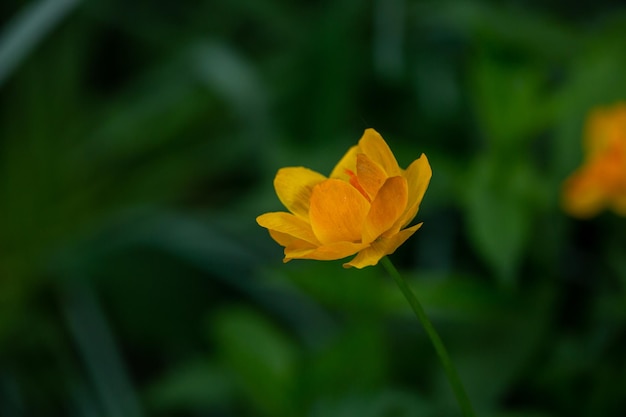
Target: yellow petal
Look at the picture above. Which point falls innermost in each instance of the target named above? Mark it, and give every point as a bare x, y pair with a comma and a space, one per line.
347, 163
370, 175
385, 246
337, 212
288, 224
293, 186
374, 146
418, 176
290, 243
387, 207
328, 252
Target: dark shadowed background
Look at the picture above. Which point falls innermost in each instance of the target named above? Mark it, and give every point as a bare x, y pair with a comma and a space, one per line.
139, 140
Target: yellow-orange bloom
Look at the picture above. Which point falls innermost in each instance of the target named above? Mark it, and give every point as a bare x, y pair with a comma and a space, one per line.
364, 206
600, 183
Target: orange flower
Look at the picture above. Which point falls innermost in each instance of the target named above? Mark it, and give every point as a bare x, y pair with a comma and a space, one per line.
600, 182
364, 207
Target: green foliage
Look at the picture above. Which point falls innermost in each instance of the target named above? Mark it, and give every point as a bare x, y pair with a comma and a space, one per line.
261, 358
500, 213
509, 102
138, 141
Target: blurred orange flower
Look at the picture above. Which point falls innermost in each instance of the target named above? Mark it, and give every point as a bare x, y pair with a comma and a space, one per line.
600, 182
363, 208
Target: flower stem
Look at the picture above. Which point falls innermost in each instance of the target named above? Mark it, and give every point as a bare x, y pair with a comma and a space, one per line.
450, 370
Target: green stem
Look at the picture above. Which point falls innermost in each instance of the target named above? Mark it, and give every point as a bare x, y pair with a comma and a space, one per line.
451, 373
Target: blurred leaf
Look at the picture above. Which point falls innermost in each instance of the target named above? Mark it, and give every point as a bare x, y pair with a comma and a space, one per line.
10, 396
499, 216
520, 413
509, 100
388, 403
491, 355
227, 73
618, 264
162, 137
193, 386
338, 288
29, 28
261, 357
354, 361
500, 201
594, 74
450, 297
158, 110
135, 256
511, 25
100, 352
490, 334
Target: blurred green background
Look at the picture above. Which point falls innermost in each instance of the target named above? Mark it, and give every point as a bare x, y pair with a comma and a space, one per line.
139, 140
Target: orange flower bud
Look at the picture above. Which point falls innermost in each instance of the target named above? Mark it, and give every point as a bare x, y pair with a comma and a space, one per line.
600, 183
